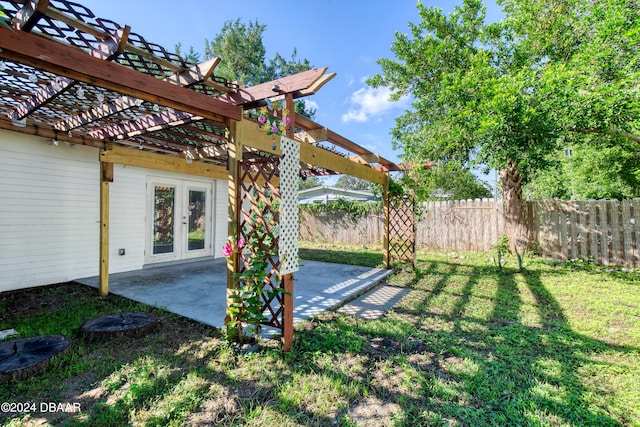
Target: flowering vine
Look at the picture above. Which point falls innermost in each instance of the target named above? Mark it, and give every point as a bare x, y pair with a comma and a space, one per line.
232, 246
269, 119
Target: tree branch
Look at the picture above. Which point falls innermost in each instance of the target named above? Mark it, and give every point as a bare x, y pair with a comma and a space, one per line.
631, 136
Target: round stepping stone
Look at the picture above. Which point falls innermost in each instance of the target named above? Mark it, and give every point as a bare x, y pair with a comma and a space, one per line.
133, 324
24, 357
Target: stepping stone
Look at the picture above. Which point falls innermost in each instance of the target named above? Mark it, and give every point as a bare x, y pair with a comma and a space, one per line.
132, 324
375, 303
25, 357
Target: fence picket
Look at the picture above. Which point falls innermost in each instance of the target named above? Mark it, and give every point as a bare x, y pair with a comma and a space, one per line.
605, 231
629, 253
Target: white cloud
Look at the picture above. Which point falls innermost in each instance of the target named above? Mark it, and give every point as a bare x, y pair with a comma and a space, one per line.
370, 102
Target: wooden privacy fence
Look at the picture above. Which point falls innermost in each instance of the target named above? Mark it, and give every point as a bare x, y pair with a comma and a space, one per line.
606, 232
462, 225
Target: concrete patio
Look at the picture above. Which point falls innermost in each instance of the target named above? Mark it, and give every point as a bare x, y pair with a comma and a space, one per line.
197, 290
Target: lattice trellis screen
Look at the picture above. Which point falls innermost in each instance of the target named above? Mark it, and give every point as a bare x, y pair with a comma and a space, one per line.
289, 170
402, 235
259, 220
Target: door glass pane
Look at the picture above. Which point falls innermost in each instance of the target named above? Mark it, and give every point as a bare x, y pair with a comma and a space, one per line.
196, 219
163, 219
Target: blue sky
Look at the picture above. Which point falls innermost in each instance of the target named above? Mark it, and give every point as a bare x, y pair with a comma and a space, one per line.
348, 36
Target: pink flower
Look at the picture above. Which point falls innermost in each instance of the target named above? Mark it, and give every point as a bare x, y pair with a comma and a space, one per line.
287, 120
274, 129
262, 120
227, 251
240, 243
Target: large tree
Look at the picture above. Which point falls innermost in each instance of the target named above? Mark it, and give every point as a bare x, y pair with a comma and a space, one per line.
242, 51
586, 169
449, 182
352, 183
504, 93
244, 58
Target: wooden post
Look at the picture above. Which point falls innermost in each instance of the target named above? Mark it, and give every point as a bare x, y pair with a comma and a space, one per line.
385, 197
234, 152
414, 258
287, 279
106, 176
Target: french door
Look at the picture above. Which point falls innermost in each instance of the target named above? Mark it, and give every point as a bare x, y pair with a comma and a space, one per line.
179, 220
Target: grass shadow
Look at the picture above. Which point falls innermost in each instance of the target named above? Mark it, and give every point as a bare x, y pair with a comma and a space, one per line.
468, 346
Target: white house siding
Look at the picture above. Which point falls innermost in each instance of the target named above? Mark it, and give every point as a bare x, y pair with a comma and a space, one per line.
127, 203
49, 212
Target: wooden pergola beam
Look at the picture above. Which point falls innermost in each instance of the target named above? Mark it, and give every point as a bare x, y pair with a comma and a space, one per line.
366, 159
338, 140
108, 51
255, 96
69, 62
196, 74
173, 118
52, 134
144, 159
316, 156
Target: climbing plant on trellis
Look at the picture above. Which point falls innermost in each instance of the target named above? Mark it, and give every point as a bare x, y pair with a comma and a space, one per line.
259, 219
402, 231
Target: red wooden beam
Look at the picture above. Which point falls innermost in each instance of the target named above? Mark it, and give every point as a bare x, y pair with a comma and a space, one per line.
254, 96
69, 62
193, 75
107, 50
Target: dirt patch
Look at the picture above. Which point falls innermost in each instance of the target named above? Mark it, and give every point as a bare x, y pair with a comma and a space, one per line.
81, 376
373, 412
45, 298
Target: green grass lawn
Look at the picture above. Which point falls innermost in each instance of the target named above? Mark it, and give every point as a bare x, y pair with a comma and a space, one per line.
470, 345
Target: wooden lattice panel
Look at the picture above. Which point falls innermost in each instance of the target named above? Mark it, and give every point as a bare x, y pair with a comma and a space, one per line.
402, 234
259, 219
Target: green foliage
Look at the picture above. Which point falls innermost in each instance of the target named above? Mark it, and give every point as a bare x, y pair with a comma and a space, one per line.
241, 49
449, 182
244, 59
399, 187
191, 56
500, 95
353, 209
352, 183
247, 304
4, 19
369, 256
309, 182
607, 169
558, 344
502, 249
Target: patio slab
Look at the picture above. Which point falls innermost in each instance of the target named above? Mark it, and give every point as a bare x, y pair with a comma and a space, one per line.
197, 290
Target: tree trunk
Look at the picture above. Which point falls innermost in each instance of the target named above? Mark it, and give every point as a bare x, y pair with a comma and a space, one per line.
514, 211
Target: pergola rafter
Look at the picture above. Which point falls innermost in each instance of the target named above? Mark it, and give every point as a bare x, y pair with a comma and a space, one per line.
144, 106
195, 74
107, 51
